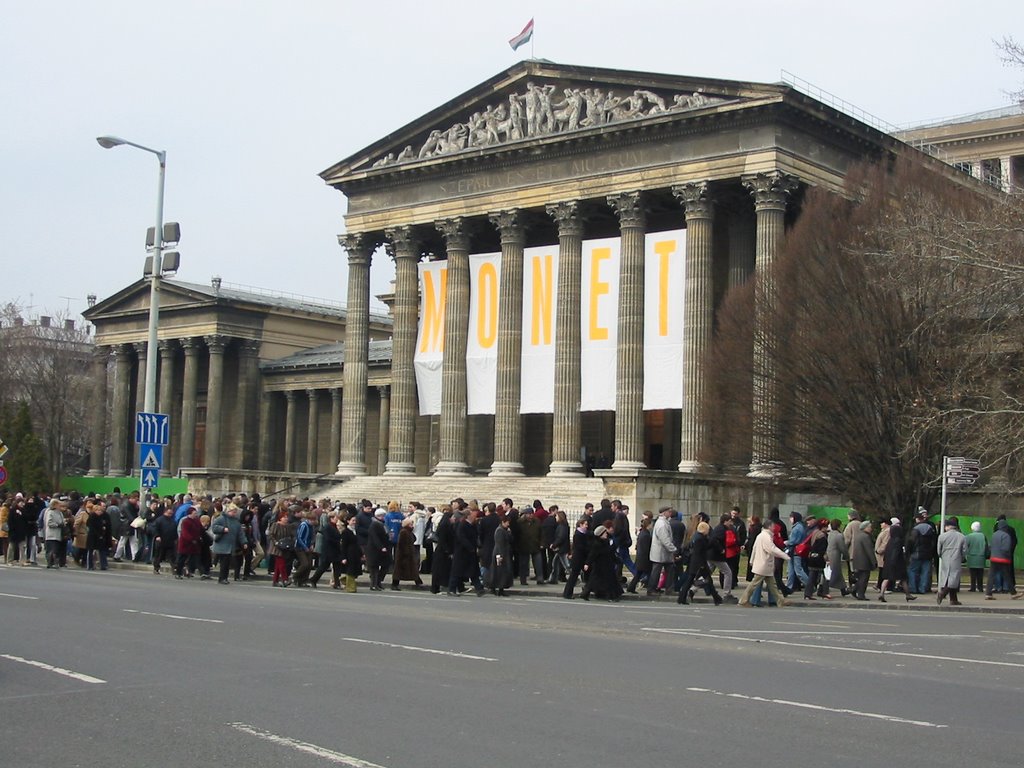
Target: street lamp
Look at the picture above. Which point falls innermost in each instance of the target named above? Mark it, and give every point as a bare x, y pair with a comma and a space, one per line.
108, 142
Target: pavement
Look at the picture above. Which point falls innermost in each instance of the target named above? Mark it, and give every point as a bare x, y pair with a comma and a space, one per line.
971, 602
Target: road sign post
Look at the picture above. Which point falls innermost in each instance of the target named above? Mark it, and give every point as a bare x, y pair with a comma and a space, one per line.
961, 472
152, 434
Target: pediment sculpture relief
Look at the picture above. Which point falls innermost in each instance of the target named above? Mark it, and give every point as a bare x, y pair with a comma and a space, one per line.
542, 111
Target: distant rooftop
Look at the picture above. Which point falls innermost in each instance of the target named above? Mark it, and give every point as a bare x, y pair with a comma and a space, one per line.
989, 114
327, 356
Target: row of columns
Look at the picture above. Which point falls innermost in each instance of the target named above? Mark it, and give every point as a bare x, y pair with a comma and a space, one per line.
770, 192
122, 409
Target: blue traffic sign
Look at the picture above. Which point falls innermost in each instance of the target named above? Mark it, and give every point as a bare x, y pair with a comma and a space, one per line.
152, 428
150, 477
151, 456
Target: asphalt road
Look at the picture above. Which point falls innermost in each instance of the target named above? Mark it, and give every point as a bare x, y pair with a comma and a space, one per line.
140, 670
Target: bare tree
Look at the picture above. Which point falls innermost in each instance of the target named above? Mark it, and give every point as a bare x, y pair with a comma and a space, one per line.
892, 317
1012, 55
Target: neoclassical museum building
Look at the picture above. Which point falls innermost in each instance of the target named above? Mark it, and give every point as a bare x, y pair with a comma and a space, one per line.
561, 238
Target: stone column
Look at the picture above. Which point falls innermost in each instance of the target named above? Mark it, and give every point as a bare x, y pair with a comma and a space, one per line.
629, 368
312, 430
165, 394
697, 320
248, 388
214, 398
119, 410
1006, 171
141, 348
263, 460
357, 328
383, 426
98, 436
508, 423
189, 403
289, 431
452, 455
567, 437
771, 192
335, 448
402, 429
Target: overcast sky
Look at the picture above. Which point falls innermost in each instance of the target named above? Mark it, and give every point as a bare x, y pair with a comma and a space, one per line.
251, 100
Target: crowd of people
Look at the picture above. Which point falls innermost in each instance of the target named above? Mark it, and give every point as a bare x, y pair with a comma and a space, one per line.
465, 545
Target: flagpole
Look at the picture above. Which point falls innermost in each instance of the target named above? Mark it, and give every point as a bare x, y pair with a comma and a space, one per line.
533, 35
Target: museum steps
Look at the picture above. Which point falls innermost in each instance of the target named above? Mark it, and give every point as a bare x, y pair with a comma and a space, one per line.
569, 493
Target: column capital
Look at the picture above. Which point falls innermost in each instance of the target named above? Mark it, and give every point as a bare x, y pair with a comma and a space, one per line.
289, 395
568, 215
696, 199
122, 351
335, 393
629, 207
101, 353
140, 348
216, 343
248, 347
404, 243
167, 347
359, 245
771, 189
510, 226
384, 390
455, 232
191, 345
311, 393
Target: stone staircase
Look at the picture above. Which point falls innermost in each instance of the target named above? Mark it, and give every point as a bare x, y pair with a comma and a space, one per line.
570, 494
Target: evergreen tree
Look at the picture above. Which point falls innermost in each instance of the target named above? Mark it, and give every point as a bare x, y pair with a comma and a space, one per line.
26, 462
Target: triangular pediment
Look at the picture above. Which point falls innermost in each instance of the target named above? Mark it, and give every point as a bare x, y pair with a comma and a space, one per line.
541, 101
135, 298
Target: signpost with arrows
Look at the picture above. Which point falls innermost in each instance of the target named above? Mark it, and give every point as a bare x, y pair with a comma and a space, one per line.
152, 434
958, 471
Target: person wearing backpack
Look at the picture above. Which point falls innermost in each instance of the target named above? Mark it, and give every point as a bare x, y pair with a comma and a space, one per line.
921, 548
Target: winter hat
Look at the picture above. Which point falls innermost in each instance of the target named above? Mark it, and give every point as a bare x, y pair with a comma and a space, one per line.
894, 521
381, 512
703, 527
975, 526
600, 530
865, 524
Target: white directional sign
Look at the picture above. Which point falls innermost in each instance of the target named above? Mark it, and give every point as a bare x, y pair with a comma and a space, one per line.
152, 428
150, 477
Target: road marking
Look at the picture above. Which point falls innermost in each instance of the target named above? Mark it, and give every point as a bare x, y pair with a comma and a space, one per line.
999, 632
19, 597
831, 710
420, 650
803, 624
51, 668
920, 656
173, 616
845, 634
312, 749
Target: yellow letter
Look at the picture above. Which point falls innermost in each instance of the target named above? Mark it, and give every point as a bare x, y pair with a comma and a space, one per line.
598, 288
434, 306
487, 306
542, 304
664, 249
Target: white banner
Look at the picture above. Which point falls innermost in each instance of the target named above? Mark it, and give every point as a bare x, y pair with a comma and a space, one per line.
540, 310
482, 341
433, 276
664, 294
599, 318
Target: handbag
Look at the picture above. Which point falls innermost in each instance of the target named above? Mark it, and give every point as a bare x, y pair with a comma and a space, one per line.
285, 543
138, 522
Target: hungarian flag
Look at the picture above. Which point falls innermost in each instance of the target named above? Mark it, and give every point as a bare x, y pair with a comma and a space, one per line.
523, 37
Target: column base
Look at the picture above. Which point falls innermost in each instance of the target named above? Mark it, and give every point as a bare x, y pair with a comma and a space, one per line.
628, 466
94, 473
351, 469
399, 469
566, 469
764, 470
451, 469
690, 467
115, 472
506, 469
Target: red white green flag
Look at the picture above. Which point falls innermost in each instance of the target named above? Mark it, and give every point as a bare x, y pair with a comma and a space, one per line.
523, 37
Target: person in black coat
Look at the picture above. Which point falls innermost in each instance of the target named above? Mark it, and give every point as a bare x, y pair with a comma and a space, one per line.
465, 562
486, 529
601, 567
559, 547
377, 549
444, 543
699, 547
330, 554
895, 567
99, 537
351, 554
580, 550
643, 556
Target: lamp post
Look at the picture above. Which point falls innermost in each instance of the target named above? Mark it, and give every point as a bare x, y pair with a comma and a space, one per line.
107, 142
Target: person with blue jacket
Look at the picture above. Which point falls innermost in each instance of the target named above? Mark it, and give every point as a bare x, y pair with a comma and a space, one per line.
797, 533
304, 549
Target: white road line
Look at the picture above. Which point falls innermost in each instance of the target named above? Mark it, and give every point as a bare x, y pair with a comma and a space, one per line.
802, 624
173, 616
999, 632
51, 668
920, 656
19, 597
420, 650
845, 634
302, 746
831, 710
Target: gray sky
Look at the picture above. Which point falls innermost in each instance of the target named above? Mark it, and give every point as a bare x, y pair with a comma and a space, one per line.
251, 100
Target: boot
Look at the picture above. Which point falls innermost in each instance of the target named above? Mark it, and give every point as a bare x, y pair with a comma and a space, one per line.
941, 596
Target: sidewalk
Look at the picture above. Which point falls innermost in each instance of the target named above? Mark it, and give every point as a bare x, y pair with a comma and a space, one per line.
972, 602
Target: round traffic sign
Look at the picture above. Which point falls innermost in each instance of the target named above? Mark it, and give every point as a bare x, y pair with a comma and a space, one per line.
3, 475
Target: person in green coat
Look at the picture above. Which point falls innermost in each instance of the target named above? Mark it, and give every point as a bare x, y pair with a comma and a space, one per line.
977, 554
